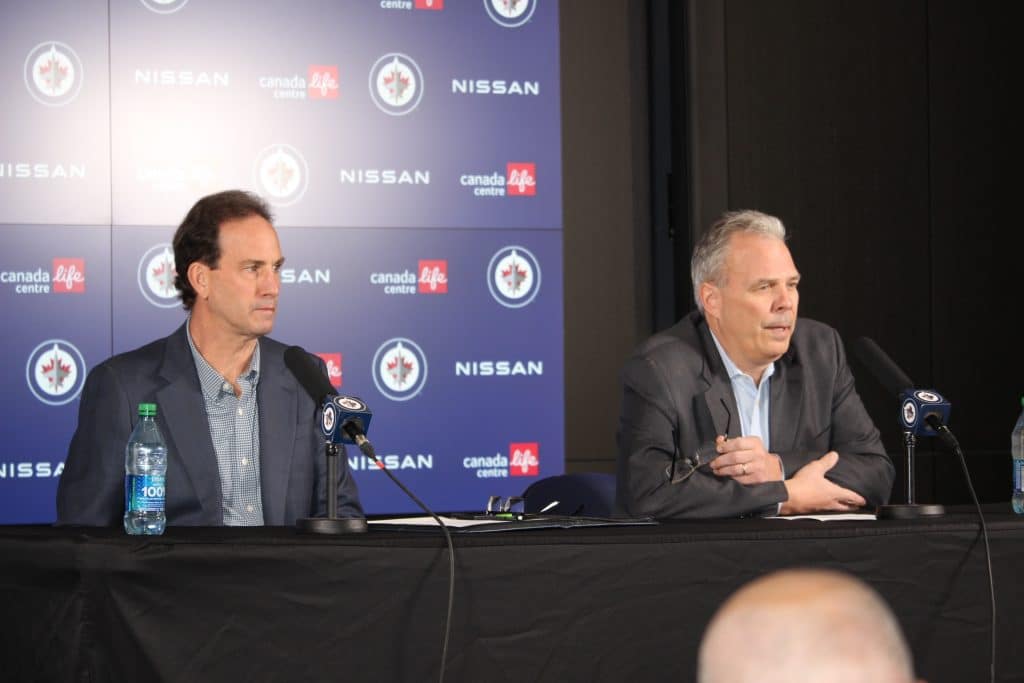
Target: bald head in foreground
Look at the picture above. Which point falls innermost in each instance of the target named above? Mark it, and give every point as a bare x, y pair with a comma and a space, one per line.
804, 625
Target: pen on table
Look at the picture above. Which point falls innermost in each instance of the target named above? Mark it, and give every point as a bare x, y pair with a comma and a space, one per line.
548, 507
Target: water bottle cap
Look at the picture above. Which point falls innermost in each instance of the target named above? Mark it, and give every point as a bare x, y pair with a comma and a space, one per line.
147, 410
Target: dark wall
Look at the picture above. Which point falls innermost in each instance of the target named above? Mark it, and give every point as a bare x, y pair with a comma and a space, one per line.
607, 215
879, 131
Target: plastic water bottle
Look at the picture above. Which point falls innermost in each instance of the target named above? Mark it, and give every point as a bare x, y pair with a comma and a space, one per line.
145, 469
1017, 451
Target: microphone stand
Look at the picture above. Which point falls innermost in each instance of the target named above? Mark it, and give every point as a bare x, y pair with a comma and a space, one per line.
911, 510
332, 524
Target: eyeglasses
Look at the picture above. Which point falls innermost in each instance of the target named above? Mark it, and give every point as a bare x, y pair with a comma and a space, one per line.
497, 504
681, 469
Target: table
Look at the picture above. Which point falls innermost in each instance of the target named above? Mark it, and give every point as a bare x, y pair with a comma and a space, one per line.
586, 604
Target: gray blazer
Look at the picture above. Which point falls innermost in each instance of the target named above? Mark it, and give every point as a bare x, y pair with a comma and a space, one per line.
677, 397
293, 470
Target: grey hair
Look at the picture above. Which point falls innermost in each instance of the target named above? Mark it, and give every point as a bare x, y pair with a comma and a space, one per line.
709, 254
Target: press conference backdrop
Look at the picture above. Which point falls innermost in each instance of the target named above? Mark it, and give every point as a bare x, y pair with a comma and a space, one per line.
410, 150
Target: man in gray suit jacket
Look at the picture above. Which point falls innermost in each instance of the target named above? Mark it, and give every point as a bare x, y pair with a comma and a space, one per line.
243, 444
739, 409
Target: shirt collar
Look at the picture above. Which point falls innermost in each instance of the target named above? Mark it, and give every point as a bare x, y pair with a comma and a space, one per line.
212, 382
732, 369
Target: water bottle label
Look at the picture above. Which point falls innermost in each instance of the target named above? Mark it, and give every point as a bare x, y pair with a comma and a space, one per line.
1018, 475
144, 492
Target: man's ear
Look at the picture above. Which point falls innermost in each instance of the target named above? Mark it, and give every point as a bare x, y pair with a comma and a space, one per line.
711, 298
199, 277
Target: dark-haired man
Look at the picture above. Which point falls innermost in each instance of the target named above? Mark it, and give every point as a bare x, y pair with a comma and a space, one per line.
243, 448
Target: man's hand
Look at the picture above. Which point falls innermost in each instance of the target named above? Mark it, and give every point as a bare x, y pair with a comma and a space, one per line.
746, 460
810, 491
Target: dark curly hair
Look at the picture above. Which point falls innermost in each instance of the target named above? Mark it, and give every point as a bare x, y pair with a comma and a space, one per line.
198, 236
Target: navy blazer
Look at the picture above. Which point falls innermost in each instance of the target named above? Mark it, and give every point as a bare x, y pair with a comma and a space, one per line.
677, 397
293, 469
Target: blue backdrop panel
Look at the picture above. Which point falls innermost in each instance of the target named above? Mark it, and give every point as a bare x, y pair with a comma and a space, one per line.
55, 295
228, 112
54, 139
411, 154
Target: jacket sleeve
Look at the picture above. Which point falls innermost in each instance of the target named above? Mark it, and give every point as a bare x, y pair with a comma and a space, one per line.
863, 465
656, 437
91, 488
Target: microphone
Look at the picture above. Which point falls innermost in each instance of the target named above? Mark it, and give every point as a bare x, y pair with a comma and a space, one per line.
298, 360
345, 419
920, 409
312, 379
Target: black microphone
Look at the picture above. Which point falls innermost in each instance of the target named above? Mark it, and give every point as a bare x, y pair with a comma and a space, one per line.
305, 369
312, 379
920, 409
346, 419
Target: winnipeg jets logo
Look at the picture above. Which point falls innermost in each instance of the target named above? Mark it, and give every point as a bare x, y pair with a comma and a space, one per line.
327, 420
909, 413
156, 276
350, 403
164, 6
399, 369
510, 13
396, 84
53, 73
282, 174
55, 372
513, 277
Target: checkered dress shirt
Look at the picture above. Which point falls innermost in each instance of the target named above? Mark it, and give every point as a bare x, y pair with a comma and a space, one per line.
235, 430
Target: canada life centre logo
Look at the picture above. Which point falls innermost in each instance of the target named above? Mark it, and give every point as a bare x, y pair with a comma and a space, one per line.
156, 276
510, 13
55, 372
396, 84
67, 276
53, 73
523, 460
513, 276
399, 369
282, 174
431, 277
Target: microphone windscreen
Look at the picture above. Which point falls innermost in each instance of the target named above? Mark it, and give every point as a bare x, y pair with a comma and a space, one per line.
307, 373
881, 366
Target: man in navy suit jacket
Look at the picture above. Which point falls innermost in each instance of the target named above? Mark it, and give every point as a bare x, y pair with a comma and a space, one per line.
243, 443
741, 409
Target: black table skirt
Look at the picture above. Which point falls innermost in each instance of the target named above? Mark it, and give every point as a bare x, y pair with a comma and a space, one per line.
588, 604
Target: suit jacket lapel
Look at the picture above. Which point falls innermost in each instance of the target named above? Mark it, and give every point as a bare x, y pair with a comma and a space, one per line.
719, 397
277, 432
786, 402
181, 402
